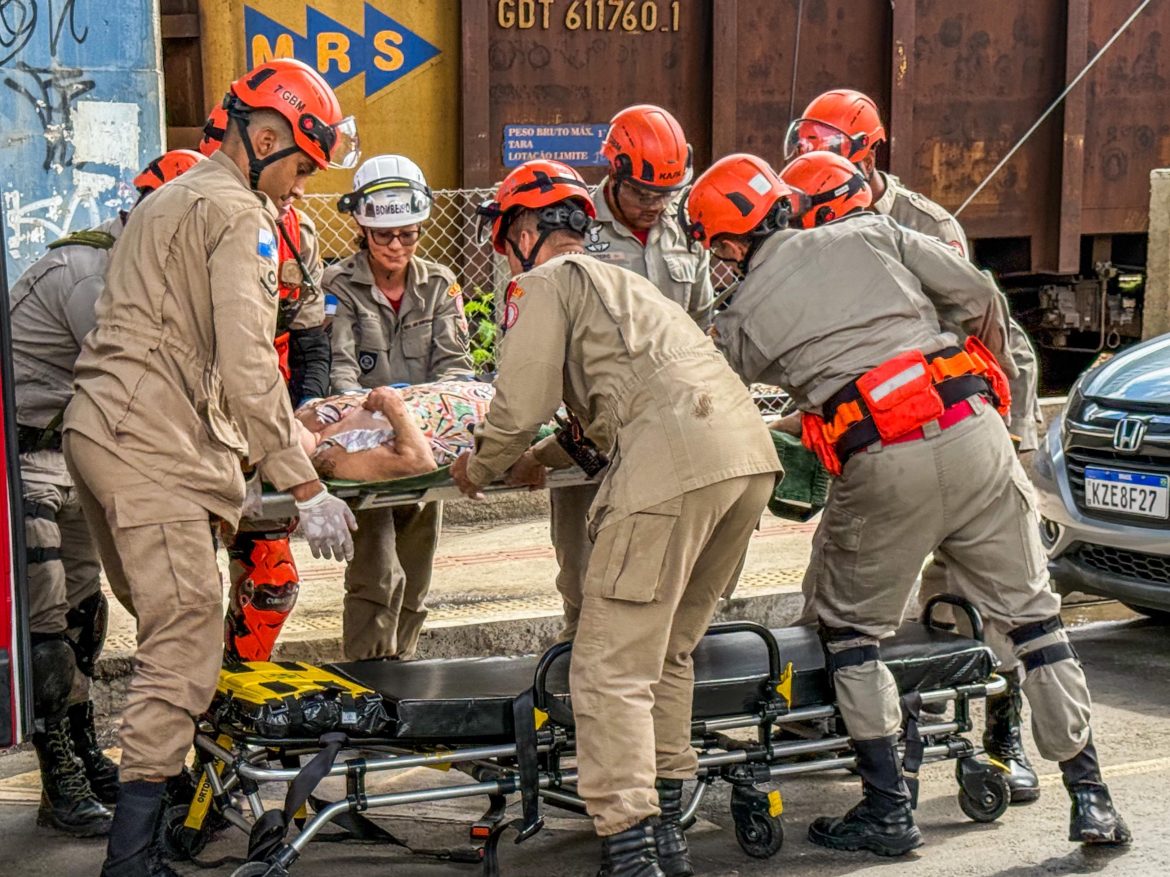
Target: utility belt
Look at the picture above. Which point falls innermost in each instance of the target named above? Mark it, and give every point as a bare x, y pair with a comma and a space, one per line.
38, 438
891, 403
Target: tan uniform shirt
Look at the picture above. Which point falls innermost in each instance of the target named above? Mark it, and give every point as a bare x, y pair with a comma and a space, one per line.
373, 346
179, 378
647, 383
821, 307
682, 275
52, 310
914, 210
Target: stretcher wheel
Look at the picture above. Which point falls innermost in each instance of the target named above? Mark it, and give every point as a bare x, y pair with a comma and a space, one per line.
179, 842
759, 835
991, 799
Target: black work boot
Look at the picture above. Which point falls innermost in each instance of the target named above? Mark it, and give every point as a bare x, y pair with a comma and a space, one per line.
883, 822
674, 859
132, 851
67, 801
101, 772
1094, 820
630, 853
1004, 742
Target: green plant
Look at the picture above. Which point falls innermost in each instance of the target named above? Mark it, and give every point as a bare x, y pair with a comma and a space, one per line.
479, 308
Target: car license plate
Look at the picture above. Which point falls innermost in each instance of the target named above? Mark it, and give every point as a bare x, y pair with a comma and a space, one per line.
1131, 493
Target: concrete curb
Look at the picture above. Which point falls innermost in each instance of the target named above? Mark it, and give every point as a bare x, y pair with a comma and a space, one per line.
514, 636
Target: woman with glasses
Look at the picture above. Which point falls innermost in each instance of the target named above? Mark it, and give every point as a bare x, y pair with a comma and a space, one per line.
399, 320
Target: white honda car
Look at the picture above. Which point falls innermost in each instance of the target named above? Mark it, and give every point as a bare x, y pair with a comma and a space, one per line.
1103, 479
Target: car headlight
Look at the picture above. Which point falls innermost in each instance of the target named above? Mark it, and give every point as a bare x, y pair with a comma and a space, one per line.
1071, 408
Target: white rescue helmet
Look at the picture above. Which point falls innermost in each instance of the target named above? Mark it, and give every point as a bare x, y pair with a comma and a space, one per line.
390, 191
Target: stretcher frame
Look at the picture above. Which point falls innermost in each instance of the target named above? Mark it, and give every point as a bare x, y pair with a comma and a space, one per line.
281, 506
232, 767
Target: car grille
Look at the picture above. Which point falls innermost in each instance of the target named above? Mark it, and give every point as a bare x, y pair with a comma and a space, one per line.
1092, 445
1129, 564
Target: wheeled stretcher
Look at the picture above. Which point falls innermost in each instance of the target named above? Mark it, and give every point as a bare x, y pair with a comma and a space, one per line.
763, 710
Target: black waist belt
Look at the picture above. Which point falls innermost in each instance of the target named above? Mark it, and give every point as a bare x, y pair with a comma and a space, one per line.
864, 433
35, 438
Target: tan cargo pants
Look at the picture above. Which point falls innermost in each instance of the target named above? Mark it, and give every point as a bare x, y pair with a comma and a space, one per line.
652, 586
387, 581
962, 494
159, 556
63, 566
569, 507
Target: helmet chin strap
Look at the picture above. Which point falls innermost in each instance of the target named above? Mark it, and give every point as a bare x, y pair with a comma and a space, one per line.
529, 262
256, 165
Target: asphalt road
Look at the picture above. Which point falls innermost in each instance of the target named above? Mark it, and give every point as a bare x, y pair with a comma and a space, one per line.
1128, 663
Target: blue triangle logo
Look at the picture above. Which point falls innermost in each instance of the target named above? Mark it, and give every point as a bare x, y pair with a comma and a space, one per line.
385, 52
393, 51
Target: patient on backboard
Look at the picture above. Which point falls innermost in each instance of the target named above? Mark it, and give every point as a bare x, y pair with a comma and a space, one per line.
384, 433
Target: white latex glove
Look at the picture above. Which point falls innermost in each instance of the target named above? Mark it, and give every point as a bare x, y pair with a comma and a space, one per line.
326, 522
252, 507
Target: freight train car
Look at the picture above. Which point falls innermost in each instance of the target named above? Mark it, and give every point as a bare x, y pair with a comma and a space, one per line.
1063, 223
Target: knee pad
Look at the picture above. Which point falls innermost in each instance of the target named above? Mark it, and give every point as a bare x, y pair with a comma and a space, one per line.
89, 619
854, 656
53, 669
1032, 659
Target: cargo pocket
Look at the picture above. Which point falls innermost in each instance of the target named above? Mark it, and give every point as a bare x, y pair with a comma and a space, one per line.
1031, 549
416, 340
210, 407
167, 542
637, 552
840, 548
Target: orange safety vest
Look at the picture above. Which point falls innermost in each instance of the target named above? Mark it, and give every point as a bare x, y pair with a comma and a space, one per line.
290, 292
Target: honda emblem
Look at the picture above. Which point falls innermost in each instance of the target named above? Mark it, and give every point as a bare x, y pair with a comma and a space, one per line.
1128, 435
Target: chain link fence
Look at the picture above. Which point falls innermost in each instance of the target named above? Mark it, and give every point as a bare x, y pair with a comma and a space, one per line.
450, 238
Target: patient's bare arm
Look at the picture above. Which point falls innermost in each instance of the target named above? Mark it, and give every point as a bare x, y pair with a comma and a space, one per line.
409, 442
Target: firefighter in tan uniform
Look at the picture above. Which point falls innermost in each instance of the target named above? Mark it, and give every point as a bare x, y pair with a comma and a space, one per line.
175, 386
52, 310
847, 122
692, 467
649, 164
265, 582
888, 344
399, 320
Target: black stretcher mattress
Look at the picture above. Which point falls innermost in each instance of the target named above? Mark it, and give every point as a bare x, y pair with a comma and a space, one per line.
470, 699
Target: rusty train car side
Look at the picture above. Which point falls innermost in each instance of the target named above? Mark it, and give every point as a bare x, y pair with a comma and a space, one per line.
1063, 224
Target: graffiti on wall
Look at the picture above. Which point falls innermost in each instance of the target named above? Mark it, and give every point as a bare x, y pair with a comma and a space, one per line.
81, 90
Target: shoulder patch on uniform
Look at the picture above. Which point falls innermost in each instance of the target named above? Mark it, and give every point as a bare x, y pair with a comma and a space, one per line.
454, 289
515, 291
367, 360
266, 243
511, 313
595, 244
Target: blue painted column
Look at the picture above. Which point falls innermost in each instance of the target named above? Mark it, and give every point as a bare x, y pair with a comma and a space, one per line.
81, 110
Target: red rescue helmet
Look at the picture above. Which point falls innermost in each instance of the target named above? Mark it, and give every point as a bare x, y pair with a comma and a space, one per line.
304, 98
737, 195
539, 184
165, 168
647, 148
841, 121
214, 130
832, 186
